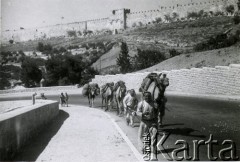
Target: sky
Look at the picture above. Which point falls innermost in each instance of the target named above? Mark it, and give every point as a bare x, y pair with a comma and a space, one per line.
37, 13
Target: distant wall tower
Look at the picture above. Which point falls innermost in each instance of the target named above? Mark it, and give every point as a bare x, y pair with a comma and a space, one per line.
121, 15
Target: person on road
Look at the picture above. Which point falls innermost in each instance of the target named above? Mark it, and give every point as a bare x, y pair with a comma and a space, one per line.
62, 99
66, 98
43, 96
130, 103
161, 102
147, 111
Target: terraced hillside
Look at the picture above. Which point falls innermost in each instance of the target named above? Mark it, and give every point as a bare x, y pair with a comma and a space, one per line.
181, 36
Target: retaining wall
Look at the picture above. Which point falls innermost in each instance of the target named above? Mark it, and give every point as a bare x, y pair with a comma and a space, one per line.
39, 89
221, 80
18, 126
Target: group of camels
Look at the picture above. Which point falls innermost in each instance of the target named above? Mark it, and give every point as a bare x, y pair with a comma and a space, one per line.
110, 92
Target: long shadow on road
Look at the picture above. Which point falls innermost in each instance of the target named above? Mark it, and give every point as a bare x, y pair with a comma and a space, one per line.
38, 143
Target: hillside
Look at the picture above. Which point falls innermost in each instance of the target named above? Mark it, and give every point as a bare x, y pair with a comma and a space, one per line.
181, 36
219, 57
162, 36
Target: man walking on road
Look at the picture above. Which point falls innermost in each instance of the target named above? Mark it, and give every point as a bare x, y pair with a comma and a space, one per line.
161, 99
148, 125
66, 98
130, 103
62, 99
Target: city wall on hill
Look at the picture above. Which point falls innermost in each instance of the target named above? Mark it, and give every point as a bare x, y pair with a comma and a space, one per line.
221, 80
120, 19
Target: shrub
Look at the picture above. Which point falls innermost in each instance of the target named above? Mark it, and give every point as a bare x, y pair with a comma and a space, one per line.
230, 9
236, 19
72, 33
158, 20
11, 41
173, 52
134, 25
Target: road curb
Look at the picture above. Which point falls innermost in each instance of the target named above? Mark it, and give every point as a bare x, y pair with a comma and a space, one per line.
205, 96
127, 140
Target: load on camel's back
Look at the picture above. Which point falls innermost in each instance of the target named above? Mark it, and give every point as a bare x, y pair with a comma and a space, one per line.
119, 93
105, 86
87, 87
147, 81
107, 95
91, 90
119, 83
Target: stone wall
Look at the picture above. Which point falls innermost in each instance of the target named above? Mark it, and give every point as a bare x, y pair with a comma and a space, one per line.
18, 126
40, 89
221, 80
120, 19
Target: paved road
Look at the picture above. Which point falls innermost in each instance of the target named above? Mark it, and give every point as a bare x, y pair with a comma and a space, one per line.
188, 119
78, 134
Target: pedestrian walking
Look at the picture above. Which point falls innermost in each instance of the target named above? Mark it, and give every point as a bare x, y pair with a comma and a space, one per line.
43, 96
66, 98
62, 99
130, 103
34, 98
148, 126
161, 106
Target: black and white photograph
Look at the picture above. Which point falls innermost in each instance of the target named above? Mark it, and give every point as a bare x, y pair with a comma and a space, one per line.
119, 80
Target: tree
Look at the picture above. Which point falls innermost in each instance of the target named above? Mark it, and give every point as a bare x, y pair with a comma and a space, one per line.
158, 20
167, 17
173, 52
192, 15
64, 70
238, 4
124, 60
134, 25
11, 41
236, 19
87, 74
230, 9
175, 16
40, 47
30, 74
72, 33
147, 58
4, 78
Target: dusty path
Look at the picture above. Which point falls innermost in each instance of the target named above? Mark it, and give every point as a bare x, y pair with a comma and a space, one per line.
79, 134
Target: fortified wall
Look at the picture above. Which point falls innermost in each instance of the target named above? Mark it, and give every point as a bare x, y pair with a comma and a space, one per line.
181, 7
120, 19
221, 80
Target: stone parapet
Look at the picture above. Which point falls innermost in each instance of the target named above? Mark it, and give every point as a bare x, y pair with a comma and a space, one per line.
221, 80
18, 126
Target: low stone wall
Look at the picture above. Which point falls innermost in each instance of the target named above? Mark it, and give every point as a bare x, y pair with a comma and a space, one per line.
18, 126
39, 89
221, 80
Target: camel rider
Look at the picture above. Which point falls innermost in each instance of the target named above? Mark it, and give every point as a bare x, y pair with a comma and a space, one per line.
130, 103
147, 111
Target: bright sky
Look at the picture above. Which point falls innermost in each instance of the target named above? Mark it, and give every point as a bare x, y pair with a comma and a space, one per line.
35, 13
